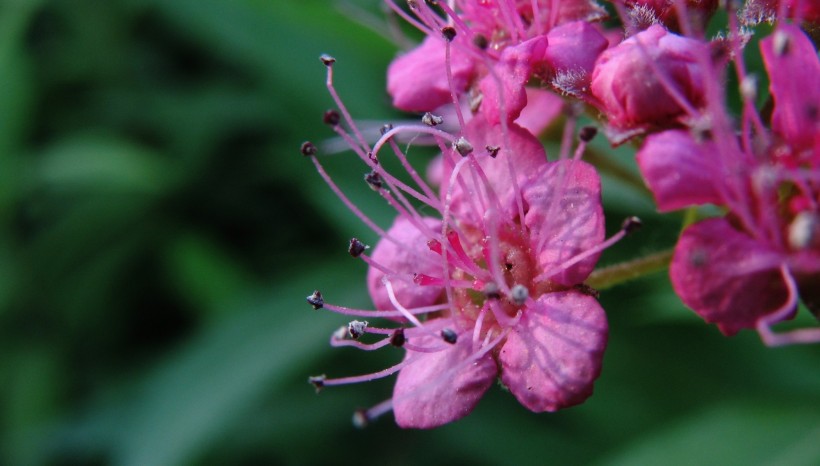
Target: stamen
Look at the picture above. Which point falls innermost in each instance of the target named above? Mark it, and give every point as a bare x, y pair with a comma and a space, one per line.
449, 33
492, 291
356, 328
587, 133
398, 339
374, 180
519, 294
630, 225
431, 120
356, 247
318, 382
331, 118
449, 336
315, 299
764, 324
325, 382
308, 149
387, 314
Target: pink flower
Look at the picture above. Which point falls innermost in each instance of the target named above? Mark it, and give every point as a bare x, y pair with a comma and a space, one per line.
759, 11
750, 268
645, 13
491, 51
485, 280
651, 81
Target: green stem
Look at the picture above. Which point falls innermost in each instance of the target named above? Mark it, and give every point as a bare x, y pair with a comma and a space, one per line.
612, 275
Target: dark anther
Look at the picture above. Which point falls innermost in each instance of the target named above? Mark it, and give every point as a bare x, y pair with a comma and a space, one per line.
587, 133
318, 381
449, 335
631, 225
327, 59
316, 300
356, 329
308, 149
373, 158
356, 247
412, 4
519, 294
360, 419
449, 33
331, 118
492, 291
587, 290
385, 128
374, 180
463, 147
493, 150
431, 120
398, 339
480, 41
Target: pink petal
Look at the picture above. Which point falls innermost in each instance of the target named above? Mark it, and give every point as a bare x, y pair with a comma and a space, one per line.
543, 107
573, 48
440, 387
553, 356
794, 76
629, 90
411, 255
725, 276
525, 151
679, 171
512, 72
565, 217
417, 81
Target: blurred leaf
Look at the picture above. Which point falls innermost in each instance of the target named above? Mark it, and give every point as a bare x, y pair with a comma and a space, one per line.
754, 432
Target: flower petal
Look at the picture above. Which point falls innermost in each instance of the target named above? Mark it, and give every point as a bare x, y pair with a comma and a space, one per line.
679, 171
553, 356
543, 107
411, 255
417, 81
443, 386
526, 153
565, 217
794, 74
506, 84
725, 276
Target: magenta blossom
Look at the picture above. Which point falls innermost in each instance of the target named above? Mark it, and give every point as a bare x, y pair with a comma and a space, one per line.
486, 53
651, 81
485, 280
750, 268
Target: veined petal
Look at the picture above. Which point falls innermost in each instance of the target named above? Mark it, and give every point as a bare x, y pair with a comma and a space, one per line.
440, 387
525, 151
794, 74
565, 217
417, 81
553, 356
725, 276
410, 256
679, 171
507, 82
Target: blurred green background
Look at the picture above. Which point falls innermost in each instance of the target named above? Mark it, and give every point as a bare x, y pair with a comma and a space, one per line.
160, 231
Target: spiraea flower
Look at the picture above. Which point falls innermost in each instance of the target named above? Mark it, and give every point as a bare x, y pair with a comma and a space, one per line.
750, 268
485, 53
480, 278
651, 81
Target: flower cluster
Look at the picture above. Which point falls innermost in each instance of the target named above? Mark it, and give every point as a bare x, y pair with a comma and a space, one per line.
481, 276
